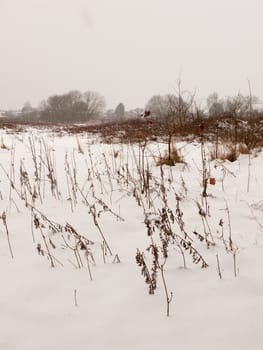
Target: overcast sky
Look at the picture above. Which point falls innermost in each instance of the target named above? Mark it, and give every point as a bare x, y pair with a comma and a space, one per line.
128, 50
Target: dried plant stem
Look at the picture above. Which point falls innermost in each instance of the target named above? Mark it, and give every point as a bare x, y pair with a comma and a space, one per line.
76, 253
229, 228
11, 174
47, 247
32, 224
116, 259
91, 161
103, 252
37, 171
55, 259
99, 229
51, 175
204, 170
248, 176
75, 297
88, 264
68, 186
108, 175
7, 234
106, 208
94, 215
218, 267
168, 298
235, 263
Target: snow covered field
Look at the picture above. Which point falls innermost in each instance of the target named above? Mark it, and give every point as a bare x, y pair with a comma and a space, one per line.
72, 208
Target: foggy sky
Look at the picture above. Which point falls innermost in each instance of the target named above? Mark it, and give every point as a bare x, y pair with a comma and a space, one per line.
128, 50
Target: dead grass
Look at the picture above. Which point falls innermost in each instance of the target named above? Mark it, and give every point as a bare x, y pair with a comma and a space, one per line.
172, 159
247, 133
228, 152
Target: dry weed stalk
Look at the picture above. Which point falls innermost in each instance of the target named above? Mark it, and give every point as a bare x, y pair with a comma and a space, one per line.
235, 262
206, 226
12, 173
3, 145
80, 148
93, 212
75, 251
108, 175
37, 167
205, 176
151, 277
81, 243
75, 298
167, 236
71, 181
40, 226
161, 224
229, 228
3, 217
51, 171
106, 208
218, 267
172, 157
179, 217
116, 259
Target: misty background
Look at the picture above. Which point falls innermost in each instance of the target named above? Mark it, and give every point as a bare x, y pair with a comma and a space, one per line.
128, 50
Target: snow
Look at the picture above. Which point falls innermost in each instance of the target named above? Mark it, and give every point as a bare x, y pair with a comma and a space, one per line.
62, 308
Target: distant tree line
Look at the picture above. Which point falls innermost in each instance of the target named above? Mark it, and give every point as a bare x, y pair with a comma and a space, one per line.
175, 109
179, 111
73, 106
182, 108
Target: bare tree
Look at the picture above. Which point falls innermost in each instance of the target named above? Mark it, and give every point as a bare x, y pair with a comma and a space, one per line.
95, 104
175, 109
28, 112
135, 113
73, 106
215, 106
237, 106
120, 111
159, 107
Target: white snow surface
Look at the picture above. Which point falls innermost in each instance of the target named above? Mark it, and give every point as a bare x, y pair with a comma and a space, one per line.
114, 310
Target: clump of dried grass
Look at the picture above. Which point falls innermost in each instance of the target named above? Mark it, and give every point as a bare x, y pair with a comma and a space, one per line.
223, 152
231, 151
3, 145
171, 158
